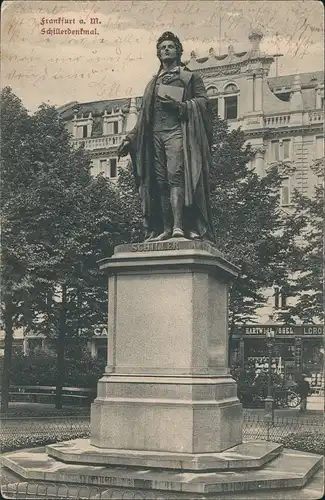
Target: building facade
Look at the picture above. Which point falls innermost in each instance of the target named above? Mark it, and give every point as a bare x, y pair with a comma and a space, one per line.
296, 349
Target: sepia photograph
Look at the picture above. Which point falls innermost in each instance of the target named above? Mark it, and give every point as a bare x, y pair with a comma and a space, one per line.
162, 207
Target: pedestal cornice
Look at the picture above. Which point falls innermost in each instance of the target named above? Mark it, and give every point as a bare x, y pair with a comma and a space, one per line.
176, 252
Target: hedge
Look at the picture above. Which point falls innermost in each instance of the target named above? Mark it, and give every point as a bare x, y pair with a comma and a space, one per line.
11, 443
39, 368
310, 441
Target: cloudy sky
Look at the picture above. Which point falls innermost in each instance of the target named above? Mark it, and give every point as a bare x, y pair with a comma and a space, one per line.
119, 60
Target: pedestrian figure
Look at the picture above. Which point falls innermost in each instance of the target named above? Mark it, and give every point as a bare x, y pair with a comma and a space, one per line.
303, 389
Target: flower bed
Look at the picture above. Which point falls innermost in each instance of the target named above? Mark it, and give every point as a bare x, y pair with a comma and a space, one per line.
11, 442
310, 441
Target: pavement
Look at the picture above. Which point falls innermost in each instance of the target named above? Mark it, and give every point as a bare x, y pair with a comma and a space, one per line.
315, 407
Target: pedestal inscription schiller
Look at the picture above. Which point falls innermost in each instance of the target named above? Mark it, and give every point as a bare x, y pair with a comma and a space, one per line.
167, 387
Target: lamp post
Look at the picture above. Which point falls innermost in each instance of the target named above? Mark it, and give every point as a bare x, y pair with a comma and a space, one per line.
269, 410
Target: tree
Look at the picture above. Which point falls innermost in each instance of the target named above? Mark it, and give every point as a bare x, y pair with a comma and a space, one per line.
306, 284
15, 156
249, 223
130, 206
76, 226
65, 221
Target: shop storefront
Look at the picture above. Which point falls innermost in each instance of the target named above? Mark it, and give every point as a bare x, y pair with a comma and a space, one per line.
296, 349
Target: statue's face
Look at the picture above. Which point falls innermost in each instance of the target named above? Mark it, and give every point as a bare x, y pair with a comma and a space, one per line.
167, 50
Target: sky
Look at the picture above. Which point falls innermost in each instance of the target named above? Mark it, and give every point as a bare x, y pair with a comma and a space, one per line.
120, 58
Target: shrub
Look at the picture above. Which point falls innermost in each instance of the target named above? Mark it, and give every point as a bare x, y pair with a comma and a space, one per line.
39, 368
311, 441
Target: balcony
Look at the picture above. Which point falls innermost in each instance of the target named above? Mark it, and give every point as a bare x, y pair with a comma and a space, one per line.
104, 142
294, 119
277, 121
316, 116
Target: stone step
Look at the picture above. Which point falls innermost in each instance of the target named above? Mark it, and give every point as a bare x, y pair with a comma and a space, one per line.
313, 489
250, 455
291, 469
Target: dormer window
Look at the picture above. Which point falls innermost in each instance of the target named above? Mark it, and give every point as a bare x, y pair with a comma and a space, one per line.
283, 96
111, 127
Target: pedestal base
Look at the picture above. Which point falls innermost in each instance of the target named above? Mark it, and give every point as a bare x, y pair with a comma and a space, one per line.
167, 387
287, 470
165, 414
251, 455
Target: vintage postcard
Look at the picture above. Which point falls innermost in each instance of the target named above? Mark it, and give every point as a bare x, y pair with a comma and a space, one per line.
162, 324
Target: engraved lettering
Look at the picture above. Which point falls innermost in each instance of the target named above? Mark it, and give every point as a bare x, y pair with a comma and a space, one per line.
155, 246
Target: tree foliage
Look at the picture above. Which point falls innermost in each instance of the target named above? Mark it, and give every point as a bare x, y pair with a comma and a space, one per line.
57, 222
307, 263
248, 221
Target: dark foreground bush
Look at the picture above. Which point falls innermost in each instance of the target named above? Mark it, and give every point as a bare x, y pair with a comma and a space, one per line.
39, 368
311, 441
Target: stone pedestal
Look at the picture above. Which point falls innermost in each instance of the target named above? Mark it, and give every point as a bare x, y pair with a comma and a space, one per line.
167, 387
166, 422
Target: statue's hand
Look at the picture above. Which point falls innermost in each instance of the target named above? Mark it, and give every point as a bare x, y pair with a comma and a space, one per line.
124, 148
171, 103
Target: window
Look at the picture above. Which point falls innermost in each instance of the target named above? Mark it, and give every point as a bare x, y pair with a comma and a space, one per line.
280, 298
103, 166
108, 167
113, 167
275, 150
214, 106
276, 297
286, 149
283, 301
319, 147
231, 88
231, 107
84, 131
112, 127
281, 150
212, 91
285, 192
283, 96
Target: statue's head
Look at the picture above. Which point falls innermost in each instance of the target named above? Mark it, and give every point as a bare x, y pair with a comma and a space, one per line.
169, 47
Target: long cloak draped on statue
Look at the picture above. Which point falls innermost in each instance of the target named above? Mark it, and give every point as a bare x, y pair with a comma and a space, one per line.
197, 138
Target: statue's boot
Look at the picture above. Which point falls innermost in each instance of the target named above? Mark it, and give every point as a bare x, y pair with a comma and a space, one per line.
166, 215
150, 236
177, 204
193, 235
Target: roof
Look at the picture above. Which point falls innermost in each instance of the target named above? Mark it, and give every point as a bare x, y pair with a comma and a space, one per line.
306, 79
97, 108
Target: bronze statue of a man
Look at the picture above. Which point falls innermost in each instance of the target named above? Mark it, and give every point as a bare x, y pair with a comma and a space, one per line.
170, 149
